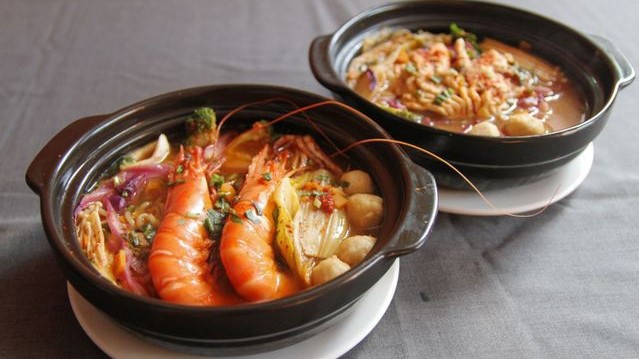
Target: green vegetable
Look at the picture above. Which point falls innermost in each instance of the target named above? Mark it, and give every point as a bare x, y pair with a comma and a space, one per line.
222, 205
148, 231
216, 181
176, 182
201, 127
403, 113
287, 205
410, 68
115, 166
458, 32
306, 234
443, 96
235, 218
214, 222
202, 120
267, 176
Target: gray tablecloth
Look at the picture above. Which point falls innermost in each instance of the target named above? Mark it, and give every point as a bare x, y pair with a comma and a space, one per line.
564, 284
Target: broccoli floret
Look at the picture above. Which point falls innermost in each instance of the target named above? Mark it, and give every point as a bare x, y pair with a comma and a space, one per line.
202, 120
201, 126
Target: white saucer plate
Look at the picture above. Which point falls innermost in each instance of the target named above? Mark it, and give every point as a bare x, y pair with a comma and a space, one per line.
519, 199
331, 343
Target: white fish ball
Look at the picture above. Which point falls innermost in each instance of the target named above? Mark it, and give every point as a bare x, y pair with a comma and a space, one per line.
353, 249
358, 182
328, 269
364, 210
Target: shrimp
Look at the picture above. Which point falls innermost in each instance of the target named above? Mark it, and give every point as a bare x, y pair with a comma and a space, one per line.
245, 249
178, 262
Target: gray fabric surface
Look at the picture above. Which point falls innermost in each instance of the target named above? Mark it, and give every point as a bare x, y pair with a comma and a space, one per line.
564, 284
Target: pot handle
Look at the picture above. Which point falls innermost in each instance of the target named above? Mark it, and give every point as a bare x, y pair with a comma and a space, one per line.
45, 162
422, 210
625, 72
320, 61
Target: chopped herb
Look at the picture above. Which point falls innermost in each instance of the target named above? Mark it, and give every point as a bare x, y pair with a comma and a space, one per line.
251, 215
222, 205
410, 68
130, 208
310, 193
267, 176
323, 178
115, 166
214, 222
148, 231
216, 181
181, 222
235, 218
436, 79
179, 169
457, 32
176, 182
133, 239
443, 96
404, 113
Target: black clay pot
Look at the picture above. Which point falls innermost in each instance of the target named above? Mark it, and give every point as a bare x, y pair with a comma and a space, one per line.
74, 159
592, 62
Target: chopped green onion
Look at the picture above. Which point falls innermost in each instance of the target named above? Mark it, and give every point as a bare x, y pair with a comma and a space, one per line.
176, 182
216, 181
148, 231
267, 176
214, 222
235, 218
410, 68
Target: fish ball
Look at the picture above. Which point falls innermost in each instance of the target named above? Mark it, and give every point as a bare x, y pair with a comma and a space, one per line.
485, 129
524, 125
328, 269
358, 182
364, 210
353, 249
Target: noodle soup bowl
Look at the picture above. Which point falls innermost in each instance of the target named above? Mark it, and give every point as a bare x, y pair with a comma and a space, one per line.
597, 69
74, 159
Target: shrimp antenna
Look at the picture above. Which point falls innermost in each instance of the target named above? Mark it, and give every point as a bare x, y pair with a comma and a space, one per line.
466, 179
276, 99
387, 140
433, 155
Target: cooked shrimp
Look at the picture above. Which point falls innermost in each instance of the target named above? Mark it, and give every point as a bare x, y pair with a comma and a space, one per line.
245, 248
178, 262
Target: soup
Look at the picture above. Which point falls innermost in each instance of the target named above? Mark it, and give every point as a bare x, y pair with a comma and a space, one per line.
453, 82
227, 217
